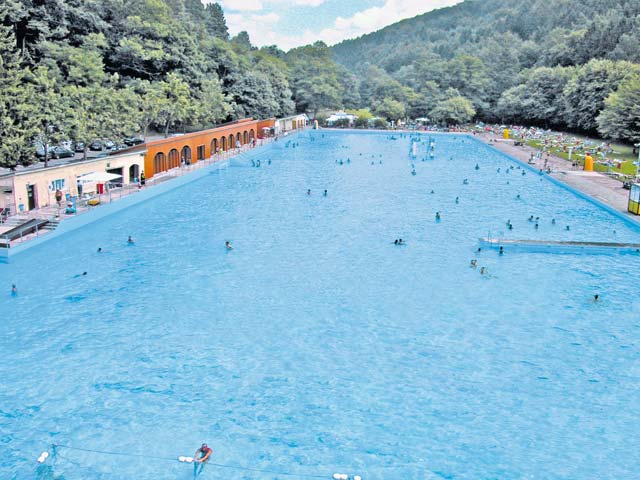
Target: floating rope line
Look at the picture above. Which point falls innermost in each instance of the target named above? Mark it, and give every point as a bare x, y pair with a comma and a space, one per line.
174, 459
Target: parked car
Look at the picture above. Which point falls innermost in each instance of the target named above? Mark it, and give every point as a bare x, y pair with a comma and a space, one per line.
95, 146
122, 147
131, 141
61, 152
109, 145
40, 152
79, 147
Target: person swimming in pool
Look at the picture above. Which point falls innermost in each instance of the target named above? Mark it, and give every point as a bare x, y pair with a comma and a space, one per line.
474, 263
130, 240
99, 249
14, 290
201, 457
228, 245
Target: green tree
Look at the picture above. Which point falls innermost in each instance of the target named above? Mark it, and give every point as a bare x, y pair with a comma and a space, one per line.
47, 113
314, 78
363, 116
587, 90
390, 109
456, 110
15, 134
620, 119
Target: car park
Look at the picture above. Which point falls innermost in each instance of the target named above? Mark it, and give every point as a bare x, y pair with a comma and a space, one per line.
95, 146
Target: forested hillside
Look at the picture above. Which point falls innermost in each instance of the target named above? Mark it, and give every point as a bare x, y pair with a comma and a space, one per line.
85, 69
546, 62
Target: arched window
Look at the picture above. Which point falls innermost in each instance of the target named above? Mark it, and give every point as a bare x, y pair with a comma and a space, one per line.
223, 140
252, 135
245, 137
174, 158
159, 163
186, 155
214, 146
232, 142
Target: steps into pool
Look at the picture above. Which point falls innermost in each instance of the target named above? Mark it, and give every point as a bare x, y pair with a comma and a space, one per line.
555, 246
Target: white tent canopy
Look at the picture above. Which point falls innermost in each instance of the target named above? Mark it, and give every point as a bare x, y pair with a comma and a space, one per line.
98, 177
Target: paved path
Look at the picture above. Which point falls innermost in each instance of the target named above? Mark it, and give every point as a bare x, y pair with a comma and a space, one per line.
596, 185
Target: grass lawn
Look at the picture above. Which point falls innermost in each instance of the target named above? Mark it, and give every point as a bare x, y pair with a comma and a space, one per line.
621, 152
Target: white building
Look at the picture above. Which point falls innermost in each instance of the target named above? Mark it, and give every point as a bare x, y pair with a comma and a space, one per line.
341, 116
294, 122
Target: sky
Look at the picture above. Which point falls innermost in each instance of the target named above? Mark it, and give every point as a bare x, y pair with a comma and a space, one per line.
291, 23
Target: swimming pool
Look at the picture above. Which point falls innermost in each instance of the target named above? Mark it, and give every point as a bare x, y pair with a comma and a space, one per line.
316, 345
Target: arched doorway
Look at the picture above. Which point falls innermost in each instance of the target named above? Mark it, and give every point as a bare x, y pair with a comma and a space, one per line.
251, 134
186, 155
238, 139
223, 141
214, 146
134, 173
232, 142
245, 137
174, 160
159, 163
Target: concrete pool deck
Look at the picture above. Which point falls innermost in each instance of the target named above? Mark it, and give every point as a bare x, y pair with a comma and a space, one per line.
593, 184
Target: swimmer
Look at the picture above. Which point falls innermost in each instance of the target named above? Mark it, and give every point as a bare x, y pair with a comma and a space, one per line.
14, 290
130, 240
477, 167
309, 191
531, 218
201, 457
510, 227
596, 297
432, 192
465, 182
437, 216
325, 193
401, 242
518, 196
483, 270
457, 199
479, 250
537, 226
474, 263
228, 245
269, 162
413, 172
567, 228
501, 252
99, 249
553, 221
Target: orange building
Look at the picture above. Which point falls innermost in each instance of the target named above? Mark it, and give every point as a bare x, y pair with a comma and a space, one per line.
167, 153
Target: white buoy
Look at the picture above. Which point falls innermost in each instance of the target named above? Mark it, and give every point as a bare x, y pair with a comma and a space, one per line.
340, 476
357, 477
185, 459
43, 457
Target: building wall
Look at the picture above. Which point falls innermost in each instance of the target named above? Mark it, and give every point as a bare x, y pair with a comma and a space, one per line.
168, 153
64, 177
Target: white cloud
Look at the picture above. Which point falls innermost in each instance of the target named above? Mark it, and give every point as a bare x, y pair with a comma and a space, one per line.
375, 18
252, 23
242, 5
262, 32
259, 5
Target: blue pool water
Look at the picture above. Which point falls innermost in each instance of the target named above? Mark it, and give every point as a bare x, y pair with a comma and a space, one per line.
316, 345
